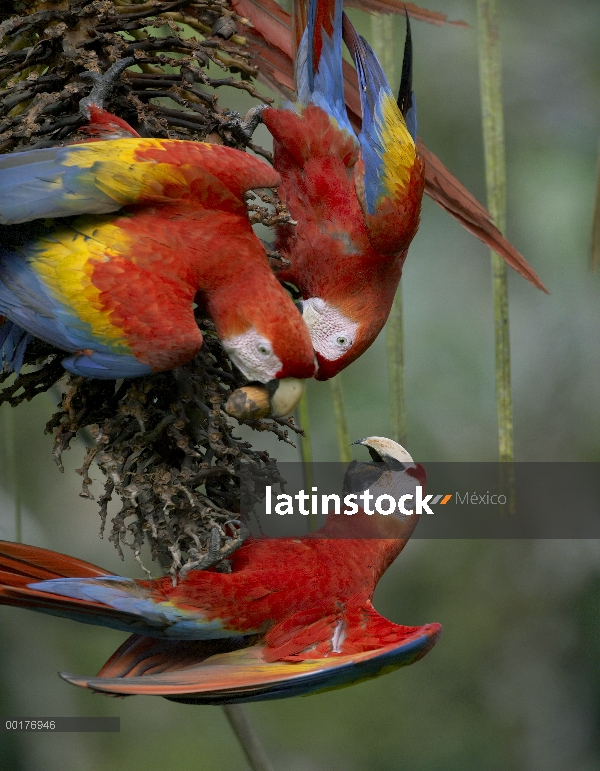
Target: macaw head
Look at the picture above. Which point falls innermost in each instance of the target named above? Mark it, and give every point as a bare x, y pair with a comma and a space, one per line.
268, 341
347, 323
333, 335
276, 364
275, 345
262, 331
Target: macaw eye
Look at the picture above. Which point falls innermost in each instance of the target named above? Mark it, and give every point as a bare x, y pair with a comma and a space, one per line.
342, 341
262, 349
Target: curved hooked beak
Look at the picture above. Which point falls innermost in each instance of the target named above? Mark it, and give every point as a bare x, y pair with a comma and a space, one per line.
275, 399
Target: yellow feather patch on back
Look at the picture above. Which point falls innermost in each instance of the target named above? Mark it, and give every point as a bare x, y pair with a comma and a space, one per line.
65, 263
399, 150
119, 172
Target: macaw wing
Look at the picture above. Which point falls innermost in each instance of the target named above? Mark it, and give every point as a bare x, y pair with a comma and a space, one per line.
25, 300
390, 187
62, 586
116, 602
101, 177
96, 284
319, 76
243, 675
101, 349
440, 184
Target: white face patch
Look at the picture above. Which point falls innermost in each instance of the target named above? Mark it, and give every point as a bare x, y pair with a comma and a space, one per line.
253, 355
331, 332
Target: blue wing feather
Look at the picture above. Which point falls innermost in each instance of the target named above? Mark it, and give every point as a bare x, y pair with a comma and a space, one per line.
13, 343
373, 86
148, 616
25, 301
35, 184
106, 366
375, 93
411, 117
323, 87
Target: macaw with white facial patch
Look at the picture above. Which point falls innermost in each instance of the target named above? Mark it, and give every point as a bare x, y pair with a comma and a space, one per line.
357, 200
106, 245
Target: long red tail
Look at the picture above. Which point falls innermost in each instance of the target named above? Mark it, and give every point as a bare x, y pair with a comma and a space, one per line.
21, 565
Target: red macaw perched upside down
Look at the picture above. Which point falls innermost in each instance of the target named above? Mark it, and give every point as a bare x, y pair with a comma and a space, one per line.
356, 199
164, 223
273, 40
294, 617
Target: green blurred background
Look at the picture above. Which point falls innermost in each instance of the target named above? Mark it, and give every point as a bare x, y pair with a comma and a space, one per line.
514, 683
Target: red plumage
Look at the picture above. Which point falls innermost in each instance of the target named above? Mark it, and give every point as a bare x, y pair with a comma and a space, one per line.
295, 590
287, 602
271, 43
347, 252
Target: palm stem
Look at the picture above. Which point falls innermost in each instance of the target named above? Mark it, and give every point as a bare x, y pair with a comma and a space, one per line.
495, 173
595, 262
247, 737
306, 453
341, 426
385, 47
12, 468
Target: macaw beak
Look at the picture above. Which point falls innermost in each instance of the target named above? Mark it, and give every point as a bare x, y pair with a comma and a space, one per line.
327, 369
275, 399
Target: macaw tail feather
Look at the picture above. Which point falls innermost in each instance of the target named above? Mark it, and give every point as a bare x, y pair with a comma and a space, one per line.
451, 195
318, 73
24, 569
406, 97
205, 674
31, 562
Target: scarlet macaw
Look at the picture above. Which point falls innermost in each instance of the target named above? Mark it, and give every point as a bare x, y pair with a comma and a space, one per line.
356, 199
293, 617
164, 223
273, 40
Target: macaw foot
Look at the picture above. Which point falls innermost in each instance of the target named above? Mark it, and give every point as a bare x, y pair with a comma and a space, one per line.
243, 128
216, 552
13, 342
103, 84
105, 366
